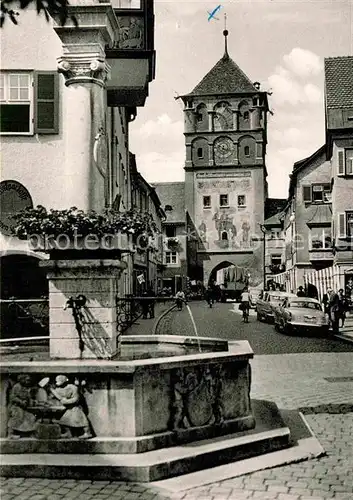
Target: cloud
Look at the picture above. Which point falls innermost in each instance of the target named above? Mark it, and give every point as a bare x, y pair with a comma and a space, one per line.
303, 62
287, 82
162, 126
153, 164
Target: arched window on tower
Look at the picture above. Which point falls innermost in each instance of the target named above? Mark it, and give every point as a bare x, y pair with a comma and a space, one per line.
200, 152
246, 115
201, 117
224, 236
246, 151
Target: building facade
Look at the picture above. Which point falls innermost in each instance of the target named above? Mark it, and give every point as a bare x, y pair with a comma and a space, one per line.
339, 141
65, 114
318, 218
174, 236
148, 255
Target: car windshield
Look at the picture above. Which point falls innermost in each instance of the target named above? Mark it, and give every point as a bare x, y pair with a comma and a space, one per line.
305, 305
275, 298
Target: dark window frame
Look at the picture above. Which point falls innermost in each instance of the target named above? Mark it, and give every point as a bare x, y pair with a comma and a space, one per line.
226, 197
206, 205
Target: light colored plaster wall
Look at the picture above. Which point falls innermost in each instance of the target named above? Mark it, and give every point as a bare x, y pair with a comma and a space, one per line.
35, 161
318, 172
342, 193
342, 200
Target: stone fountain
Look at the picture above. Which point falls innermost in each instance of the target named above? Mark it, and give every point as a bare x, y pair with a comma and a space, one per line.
134, 415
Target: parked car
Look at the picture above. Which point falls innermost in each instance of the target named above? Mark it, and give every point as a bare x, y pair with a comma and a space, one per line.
301, 313
266, 305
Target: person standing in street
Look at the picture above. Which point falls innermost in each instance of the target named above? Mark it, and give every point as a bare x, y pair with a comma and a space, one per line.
300, 292
209, 296
151, 303
334, 308
342, 306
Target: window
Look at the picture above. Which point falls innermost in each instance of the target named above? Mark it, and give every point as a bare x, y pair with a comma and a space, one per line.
345, 162
321, 238
246, 151
199, 117
171, 257
29, 103
207, 202
317, 193
275, 233
224, 236
170, 231
345, 224
200, 152
246, 115
276, 259
223, 200
168, 208
241, 200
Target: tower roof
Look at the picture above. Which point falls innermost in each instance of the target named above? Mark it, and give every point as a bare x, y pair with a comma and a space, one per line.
224, 78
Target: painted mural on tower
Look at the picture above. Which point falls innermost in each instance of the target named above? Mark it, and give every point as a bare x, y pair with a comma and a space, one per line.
223, 216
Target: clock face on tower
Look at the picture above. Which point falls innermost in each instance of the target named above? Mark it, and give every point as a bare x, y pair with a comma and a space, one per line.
223, 148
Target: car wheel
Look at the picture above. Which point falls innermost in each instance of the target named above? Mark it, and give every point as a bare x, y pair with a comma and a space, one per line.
277, 327
258, 317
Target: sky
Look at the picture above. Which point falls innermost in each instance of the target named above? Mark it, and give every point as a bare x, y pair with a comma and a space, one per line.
281, 44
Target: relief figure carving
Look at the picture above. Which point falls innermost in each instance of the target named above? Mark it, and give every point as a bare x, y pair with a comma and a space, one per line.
197, 397
48, 410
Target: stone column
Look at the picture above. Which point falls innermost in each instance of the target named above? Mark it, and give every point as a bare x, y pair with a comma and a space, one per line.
85, 69
210, 120
235, 119
96, 334
254, 118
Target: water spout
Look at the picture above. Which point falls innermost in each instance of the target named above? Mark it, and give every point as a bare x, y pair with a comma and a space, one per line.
194, 326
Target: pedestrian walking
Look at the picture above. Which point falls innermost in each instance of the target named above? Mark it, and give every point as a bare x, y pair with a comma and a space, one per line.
209, 296
144, 304
151, 302
342, 306
334, 308
300, 292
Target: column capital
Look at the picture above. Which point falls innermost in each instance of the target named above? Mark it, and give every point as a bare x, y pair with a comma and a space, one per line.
83, 59
88, 67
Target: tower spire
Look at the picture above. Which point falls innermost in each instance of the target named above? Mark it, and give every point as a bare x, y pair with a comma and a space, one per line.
225, 34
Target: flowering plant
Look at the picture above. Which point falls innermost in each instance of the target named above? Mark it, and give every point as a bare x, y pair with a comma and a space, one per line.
74, 222
172, 242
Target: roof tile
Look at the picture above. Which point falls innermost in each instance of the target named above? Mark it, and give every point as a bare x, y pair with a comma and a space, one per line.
339, 82
173, 194
224, 78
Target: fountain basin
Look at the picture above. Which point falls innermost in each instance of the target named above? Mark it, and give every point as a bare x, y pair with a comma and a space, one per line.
131, 405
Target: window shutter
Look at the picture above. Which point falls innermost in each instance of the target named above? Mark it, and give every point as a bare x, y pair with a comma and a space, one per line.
342, 225
46, 102
306, 194
349, 166
340, 163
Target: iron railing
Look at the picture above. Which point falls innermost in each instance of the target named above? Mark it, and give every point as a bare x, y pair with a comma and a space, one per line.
128, 310
24, 318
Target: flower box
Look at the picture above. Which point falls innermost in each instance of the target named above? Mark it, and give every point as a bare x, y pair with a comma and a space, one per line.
74, 230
